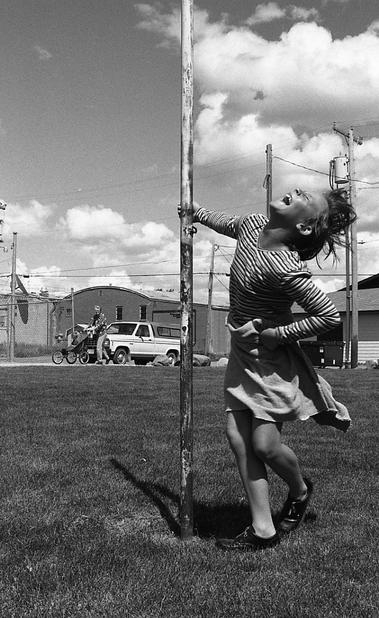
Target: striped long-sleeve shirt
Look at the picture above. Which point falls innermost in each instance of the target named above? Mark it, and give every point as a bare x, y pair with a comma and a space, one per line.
265, 284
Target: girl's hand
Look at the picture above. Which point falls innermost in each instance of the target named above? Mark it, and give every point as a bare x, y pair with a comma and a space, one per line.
195, 208
269, 338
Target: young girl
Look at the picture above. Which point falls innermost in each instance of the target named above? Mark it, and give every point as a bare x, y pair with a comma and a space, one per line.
268, 379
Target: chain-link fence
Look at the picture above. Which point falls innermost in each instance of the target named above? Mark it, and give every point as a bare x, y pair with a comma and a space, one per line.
27, 328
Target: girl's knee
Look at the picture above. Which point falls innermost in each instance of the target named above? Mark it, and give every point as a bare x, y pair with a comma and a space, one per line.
266, 441
265, 449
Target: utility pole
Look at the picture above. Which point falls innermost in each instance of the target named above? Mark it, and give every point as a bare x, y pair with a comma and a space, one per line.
186, 275
72, 311
209, 339
352, 308
2, 207
268, 178
12, 312
354, 255
348, 298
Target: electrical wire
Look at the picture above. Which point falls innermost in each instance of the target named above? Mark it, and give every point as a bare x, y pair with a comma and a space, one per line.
222, 161
226, 256
310, 169
221, 282
304, 167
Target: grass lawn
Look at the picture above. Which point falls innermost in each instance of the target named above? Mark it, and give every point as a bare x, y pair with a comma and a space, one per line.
89, 502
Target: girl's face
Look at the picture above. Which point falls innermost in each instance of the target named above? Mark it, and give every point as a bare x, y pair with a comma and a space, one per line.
298, 206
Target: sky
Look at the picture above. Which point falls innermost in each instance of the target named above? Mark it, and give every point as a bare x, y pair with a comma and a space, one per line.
90, 129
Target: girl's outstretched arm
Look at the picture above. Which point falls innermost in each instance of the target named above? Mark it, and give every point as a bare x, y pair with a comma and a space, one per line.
220, 222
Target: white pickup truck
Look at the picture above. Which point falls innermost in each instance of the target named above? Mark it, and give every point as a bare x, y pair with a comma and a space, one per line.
142, 341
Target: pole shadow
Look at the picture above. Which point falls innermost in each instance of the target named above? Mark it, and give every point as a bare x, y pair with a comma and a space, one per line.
209, 520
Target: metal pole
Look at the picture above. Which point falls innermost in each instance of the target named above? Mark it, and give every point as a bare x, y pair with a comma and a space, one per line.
354, 257
268, 178
186, 274
208, 341
11, 323
352, 311
72, 311
348, 303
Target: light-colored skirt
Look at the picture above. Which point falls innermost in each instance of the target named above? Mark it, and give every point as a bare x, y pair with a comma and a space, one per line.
279, 385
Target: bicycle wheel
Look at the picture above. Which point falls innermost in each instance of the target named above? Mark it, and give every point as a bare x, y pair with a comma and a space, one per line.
57, 357
71, 357
84, 357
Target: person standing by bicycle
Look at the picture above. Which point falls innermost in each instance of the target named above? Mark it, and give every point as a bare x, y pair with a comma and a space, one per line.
98, 325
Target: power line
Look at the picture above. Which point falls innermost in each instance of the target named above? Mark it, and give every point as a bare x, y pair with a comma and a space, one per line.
304, 167
222, 161
221, 282
310, 169
116, 275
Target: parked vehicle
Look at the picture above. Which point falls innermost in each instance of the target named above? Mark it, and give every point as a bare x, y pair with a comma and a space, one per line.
142, 341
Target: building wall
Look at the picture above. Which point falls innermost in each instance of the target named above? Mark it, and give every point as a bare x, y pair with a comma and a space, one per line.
368, 334
33, 323
109, 298
220, 332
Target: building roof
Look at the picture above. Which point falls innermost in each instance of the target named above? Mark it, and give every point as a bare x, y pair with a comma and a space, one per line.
368, 300
368, 282
148, 294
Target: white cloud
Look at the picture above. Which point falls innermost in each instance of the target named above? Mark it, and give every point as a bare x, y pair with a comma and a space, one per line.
104, 239
325, 2
86, 222
47, 278
30, 220
305, 77
168, 25
299, 13
265, 13
271, 11
117, 277
153, 20
220, 139
43, 54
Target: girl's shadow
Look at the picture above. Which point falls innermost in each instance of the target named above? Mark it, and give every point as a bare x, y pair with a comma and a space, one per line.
221, 520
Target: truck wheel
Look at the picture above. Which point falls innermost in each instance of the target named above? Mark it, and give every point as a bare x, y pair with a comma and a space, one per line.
121, 356
172, 357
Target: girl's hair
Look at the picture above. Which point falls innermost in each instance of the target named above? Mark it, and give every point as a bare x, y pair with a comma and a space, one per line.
329, 229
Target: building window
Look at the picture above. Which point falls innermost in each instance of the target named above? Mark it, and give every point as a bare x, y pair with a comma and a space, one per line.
3, 318
142, 312
69, 311
119, 313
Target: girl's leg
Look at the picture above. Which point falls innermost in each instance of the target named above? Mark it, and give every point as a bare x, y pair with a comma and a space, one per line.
239, 430
267, 445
